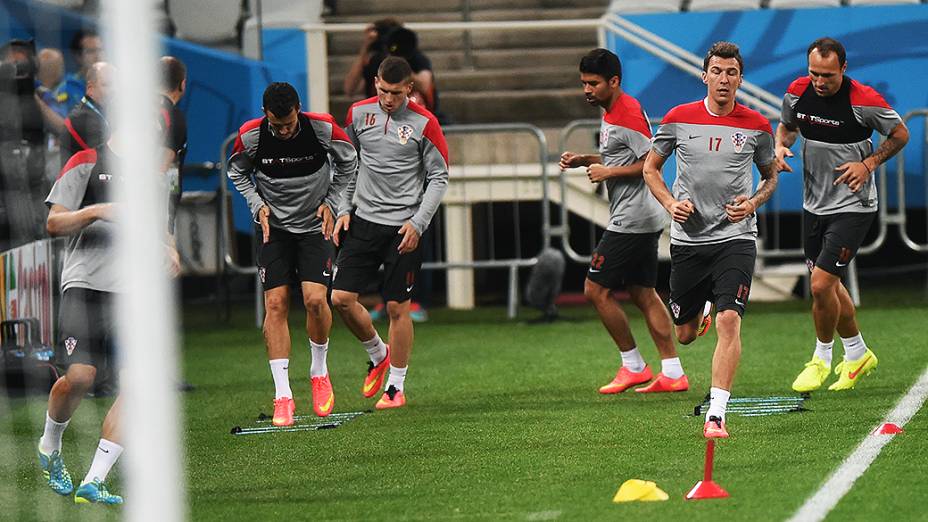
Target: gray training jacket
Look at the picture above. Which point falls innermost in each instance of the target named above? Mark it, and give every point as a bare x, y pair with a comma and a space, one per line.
403, 164
293, 177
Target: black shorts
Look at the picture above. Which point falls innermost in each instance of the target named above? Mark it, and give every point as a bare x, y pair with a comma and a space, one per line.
720, 273
85, 328
831, 241
364, 248
625, 259
289, 257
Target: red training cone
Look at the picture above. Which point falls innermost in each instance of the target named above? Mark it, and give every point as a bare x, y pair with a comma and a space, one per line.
707, 488
888, 428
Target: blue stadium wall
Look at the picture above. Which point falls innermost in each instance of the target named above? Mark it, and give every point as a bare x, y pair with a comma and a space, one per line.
887, 48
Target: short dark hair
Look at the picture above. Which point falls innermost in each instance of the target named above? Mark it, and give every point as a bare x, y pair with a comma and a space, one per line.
394, 69
826, 46
602, 62
280, 98
173, 73
77, 45
402, 42
723, 50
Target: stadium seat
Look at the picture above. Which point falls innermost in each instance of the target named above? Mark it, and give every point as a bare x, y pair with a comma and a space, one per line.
644, 6
881, 2
802, 4
723, 5
70, 4
206, 21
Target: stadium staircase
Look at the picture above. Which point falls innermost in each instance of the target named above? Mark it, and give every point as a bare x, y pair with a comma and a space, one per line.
508, 76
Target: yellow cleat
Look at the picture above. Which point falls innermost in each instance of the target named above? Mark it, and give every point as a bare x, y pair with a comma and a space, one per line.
813, 376
849, 372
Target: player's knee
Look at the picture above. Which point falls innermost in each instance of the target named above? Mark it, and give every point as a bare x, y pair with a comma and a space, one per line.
685, 334
79, 379
315, 303
276, 305
823, 284
727, 321
594, 292
342, 300
397, 311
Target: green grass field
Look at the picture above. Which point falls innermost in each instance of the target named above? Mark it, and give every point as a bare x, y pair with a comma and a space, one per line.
504, 423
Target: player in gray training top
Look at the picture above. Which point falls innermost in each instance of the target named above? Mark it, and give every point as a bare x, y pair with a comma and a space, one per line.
836, 115
402, 177
712, 239
82, 207
294, 196
626, 256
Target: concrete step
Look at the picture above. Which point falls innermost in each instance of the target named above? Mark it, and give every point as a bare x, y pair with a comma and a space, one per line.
429, 41
558, 77
434, 15
543, 107
396, 7
485, 59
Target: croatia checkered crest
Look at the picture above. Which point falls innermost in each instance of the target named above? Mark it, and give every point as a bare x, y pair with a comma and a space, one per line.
738, 139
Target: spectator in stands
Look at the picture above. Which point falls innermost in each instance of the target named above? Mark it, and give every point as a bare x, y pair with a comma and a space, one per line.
360, 79
87, 49
50, 82
86, 126
22, 147
173, 87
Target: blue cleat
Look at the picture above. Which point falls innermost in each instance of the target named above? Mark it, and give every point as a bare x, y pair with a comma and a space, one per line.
95, 493
56, 473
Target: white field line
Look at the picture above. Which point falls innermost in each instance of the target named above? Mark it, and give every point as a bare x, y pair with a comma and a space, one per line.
817, 507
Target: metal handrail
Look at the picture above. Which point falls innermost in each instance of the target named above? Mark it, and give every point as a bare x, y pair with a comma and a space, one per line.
900, 182
683, 60
755, 90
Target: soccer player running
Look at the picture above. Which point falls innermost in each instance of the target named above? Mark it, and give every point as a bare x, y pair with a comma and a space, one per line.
712, 247
82, 208
627, 253
402, 177
836, 115
293, 198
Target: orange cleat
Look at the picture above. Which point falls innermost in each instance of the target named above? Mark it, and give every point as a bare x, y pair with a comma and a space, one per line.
715, 428
625, 379
375, 376
283, 411
392, 398
665, 384
706, 320
323, 397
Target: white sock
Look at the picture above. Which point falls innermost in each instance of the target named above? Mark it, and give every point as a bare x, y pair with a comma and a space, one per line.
318, 367
718, 402
823, 350
376, 349
103, 460
51, 438
632, 360
854, 347
397, 377
671, 368
281, 377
